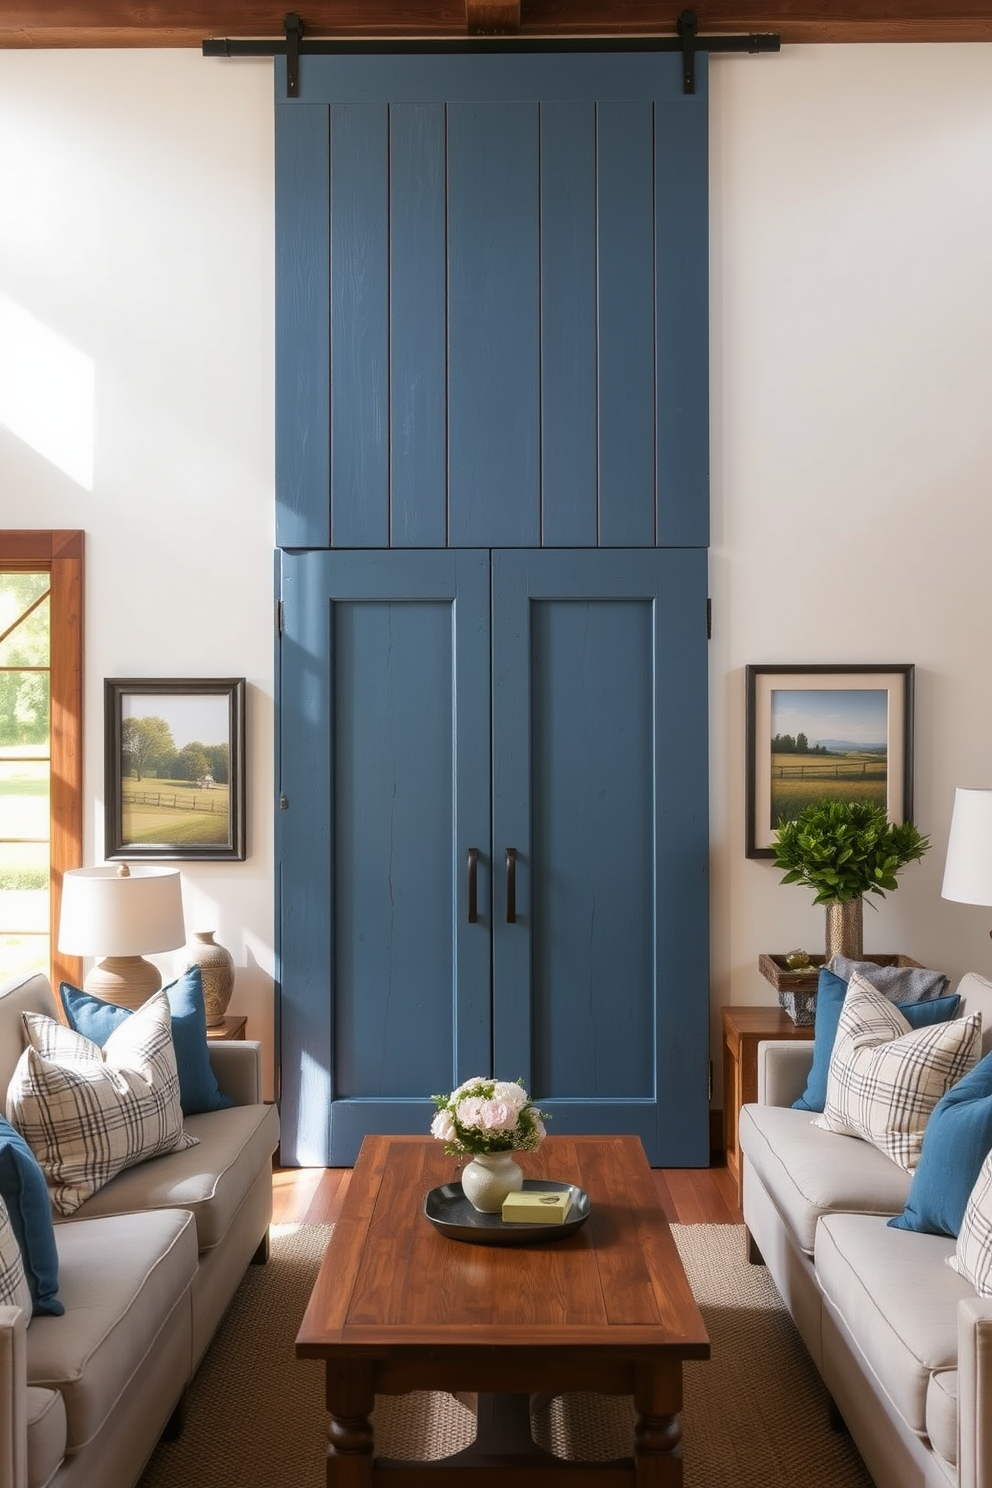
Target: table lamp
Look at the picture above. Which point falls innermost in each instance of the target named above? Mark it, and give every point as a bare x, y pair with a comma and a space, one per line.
119, 914
968, 868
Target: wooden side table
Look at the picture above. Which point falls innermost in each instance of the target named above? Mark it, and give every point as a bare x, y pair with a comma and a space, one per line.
743, 1029
232, 1030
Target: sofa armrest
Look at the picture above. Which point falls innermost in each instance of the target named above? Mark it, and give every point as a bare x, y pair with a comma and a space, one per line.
783, 1070
974, 1392
13, 1398
238, 1067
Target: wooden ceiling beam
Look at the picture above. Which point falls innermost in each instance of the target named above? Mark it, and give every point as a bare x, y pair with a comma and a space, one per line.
172, 23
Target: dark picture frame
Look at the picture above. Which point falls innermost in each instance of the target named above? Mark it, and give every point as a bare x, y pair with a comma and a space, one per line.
823, 730
174, 768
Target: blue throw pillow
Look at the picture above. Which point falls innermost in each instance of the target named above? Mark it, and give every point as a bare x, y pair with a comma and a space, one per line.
25, 1192
96, 1020
830, 993
957, 1139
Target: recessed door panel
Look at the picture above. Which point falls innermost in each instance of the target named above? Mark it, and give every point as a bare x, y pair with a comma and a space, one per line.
385, 768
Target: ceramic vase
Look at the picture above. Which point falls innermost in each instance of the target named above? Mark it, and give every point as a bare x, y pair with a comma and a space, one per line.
488, 1178
217, 970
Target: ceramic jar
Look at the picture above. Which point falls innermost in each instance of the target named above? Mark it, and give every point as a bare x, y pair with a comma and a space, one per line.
488, 1178
217, 970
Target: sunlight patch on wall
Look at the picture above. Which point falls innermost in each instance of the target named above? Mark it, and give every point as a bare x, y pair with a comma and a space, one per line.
47, 393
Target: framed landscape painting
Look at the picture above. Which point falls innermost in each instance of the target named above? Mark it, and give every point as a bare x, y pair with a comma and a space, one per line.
174, 768
839, 732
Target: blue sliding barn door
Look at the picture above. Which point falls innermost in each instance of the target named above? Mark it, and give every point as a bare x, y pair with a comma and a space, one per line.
492, 511
545, 711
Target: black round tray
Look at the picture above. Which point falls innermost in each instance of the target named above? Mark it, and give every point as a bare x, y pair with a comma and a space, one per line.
449, 1211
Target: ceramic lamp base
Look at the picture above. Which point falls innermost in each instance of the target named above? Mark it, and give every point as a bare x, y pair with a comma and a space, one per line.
127, 981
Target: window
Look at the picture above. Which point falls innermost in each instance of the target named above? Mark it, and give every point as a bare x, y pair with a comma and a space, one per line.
41, 577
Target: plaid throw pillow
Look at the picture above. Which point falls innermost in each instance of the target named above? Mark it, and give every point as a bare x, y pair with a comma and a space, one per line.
14, 1289
972, 1256
885, 1078
87, 1113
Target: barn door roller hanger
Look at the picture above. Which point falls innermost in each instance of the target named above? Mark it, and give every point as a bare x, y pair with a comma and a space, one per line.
295, 44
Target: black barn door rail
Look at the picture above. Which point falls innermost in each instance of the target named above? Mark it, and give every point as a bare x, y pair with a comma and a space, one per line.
295, 45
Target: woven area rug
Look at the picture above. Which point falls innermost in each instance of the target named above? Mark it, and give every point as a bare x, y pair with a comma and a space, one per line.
755, 1413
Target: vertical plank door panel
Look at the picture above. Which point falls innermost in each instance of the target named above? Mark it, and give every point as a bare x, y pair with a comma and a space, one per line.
302, 187
417, 326
568, 325
493, 355
360, 326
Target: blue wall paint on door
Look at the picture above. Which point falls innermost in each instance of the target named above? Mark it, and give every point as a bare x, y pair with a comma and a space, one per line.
385, 759
450, 212
417, 327
493, 345
573, 407
303, 358
582, 786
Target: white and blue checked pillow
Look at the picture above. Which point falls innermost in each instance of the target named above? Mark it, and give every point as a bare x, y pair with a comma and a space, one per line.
972, 1256
885, 1078
14, 1289
88, 1113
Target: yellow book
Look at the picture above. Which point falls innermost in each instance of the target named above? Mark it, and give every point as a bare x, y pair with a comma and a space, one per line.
537, 1206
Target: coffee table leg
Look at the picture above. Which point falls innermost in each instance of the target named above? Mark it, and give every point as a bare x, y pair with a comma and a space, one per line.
350, 1447
657, 1429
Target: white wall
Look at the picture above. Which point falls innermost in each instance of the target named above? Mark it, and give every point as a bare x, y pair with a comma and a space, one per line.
852, 444
136, 225
852, 421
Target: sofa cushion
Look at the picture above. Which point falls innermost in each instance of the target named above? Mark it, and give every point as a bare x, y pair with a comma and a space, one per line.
902, 984
972, 1257
89, 1113
25, 1192
211, 1180
885, 1078
120, 1280
809, 1172
96, 1019
14, 1289
46, 1435
942, 1414
28, 994
830, 993
897, 1300
955, 1143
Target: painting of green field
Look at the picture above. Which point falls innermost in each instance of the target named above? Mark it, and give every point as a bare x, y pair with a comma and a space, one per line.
174, 813
796, 780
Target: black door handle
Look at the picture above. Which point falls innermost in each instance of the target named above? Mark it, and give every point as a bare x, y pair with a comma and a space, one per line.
473, 892
511, 885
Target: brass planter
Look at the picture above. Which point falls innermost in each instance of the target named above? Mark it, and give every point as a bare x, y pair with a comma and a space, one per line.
845, 929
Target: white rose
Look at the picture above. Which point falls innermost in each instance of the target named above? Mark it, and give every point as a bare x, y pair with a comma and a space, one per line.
498, 1115
513, 1094
443, 1128
469, 1111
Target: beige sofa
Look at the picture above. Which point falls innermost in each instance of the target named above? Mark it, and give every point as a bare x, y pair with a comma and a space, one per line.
904, 1344
147, 1267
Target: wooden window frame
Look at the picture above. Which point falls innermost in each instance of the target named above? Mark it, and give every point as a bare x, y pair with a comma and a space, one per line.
61, 554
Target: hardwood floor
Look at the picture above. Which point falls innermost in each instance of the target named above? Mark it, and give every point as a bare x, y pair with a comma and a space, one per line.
688, 1195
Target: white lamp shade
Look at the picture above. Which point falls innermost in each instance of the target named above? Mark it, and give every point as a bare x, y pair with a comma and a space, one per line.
968, 869
106, 913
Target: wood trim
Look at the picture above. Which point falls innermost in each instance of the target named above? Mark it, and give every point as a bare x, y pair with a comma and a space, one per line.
492, 17
61, 552
180, 23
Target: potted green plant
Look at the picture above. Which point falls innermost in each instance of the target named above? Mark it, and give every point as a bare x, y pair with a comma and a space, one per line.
844, 851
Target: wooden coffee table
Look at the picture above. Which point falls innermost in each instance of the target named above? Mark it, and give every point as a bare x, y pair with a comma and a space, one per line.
397, 1306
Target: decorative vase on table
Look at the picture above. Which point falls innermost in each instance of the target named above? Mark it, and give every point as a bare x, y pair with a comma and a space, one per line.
488, 1178
482, 1114
217, 970
845, 929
